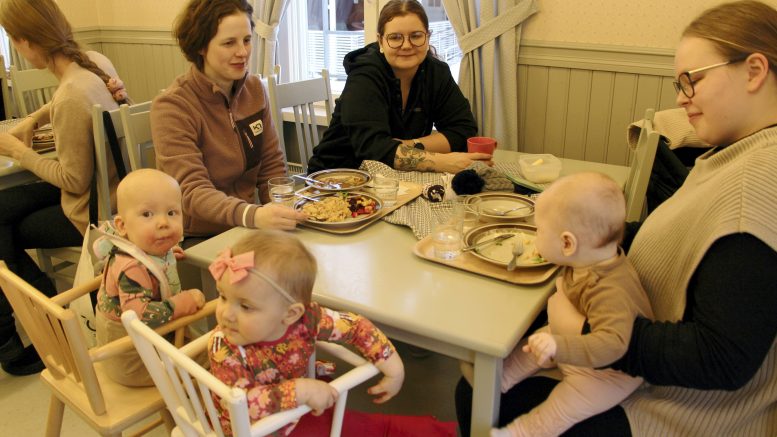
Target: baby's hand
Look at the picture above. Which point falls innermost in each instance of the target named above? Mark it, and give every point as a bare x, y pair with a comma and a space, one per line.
178, 253
318, 395
542, 346
199, 298
393, 377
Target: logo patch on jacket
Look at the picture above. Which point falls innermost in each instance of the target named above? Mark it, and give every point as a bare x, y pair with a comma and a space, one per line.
257, 127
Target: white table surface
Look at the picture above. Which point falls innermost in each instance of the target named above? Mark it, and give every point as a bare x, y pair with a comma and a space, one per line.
460, 314
11, 173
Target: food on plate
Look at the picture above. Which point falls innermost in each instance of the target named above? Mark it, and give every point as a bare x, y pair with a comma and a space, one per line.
46, 136
531, 256
344, 181
339, 208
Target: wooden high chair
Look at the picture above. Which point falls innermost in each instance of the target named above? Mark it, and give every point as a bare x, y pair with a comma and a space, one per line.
192, 405
75, 374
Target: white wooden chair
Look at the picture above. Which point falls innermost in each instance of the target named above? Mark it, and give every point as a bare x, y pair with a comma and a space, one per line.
301, 97
641, 167
192, 406
75, 374
32, 89
136, 124
6, 90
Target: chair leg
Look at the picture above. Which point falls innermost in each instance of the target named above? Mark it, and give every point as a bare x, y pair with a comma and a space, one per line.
56, 410
168, 420
338, 414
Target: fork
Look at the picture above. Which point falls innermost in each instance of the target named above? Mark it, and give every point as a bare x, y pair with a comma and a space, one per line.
503, 212
517, 251
315, 182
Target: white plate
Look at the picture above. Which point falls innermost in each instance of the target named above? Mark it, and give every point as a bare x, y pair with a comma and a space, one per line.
350, 179
503, 202
501, 253
350, 221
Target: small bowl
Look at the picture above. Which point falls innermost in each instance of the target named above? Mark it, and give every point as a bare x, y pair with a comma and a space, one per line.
541, 168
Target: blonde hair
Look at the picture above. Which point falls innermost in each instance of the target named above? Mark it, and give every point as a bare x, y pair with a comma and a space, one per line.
590, 205
738, 29
284, 258
43, 24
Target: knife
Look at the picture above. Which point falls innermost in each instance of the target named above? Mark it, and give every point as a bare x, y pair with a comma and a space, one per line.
489, 241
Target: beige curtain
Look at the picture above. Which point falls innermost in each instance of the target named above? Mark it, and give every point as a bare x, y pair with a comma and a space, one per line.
267, 16
489, 34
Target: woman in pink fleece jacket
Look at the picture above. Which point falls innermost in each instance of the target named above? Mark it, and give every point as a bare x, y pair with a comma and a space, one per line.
212, 129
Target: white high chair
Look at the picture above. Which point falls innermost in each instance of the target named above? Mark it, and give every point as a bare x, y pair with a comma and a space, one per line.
192, 407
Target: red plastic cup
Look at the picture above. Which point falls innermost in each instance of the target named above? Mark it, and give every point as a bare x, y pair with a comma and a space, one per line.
481, 145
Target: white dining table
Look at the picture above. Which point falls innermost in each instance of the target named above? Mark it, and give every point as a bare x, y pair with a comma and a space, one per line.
11, 172
463, 315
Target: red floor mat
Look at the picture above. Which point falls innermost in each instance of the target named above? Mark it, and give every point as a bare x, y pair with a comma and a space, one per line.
358, 424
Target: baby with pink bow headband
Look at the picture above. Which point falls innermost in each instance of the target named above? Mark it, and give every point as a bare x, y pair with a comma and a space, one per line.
268, 327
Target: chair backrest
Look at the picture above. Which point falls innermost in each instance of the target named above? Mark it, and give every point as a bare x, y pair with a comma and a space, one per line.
32, 88
641, 167
6, 90
301, 97
56, 333
192, 406
102, 154
136, 123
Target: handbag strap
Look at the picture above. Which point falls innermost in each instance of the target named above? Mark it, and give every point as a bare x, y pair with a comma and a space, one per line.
135, 252
118, 160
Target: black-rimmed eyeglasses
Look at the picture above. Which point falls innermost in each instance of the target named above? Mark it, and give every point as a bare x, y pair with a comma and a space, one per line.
395, 40
685, 84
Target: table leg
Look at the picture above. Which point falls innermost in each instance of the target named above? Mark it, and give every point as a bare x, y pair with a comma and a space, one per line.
485, 394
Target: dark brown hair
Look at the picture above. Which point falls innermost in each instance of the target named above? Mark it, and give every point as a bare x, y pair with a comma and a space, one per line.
400, 8
284, 258
738, 29
199, 21
43, 24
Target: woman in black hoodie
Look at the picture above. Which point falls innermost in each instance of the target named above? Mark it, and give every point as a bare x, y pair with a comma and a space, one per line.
396, 92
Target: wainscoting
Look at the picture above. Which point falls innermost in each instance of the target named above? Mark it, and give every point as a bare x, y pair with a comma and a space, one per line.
575, 100
147, 60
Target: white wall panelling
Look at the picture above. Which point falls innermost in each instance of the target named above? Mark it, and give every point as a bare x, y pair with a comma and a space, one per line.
575, 100
146, 60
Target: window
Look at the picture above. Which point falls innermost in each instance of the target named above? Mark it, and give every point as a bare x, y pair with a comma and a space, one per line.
5, 48
333, 28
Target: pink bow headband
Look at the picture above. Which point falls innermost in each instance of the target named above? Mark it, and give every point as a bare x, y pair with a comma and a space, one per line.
240, 266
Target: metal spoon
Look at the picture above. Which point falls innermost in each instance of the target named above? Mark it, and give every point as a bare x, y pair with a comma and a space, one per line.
503, 212
315, 182
517, 252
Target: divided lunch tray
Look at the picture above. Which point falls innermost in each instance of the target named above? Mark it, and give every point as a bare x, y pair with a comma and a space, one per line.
411, 191
471, 263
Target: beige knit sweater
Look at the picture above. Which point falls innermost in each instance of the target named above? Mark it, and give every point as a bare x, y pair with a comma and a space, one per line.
733, 190
70, 114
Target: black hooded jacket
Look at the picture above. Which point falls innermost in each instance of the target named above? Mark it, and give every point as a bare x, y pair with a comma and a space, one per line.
368, 115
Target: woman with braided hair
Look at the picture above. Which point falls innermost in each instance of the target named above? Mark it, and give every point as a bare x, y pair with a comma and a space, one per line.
54, 211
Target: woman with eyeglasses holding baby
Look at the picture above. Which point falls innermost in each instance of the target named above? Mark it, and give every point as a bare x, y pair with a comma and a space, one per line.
396, 92
706, 256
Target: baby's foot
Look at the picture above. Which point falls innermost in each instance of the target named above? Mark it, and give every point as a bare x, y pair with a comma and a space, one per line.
500, 432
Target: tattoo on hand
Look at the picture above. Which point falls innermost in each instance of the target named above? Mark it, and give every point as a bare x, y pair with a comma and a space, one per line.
409, 158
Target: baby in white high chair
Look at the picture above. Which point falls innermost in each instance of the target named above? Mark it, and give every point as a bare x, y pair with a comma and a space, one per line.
268, 327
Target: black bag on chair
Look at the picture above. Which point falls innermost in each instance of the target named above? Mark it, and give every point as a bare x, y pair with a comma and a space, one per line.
668, 174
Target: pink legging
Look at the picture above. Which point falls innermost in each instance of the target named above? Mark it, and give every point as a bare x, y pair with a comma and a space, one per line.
583, 392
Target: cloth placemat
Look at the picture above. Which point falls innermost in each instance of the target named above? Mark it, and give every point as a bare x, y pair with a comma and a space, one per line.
421, 215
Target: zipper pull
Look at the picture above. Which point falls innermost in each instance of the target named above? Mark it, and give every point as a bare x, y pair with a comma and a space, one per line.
232, 120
